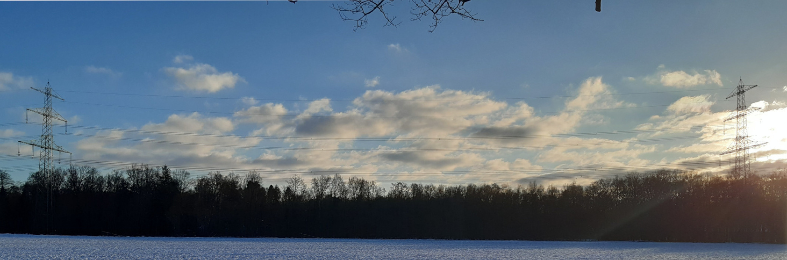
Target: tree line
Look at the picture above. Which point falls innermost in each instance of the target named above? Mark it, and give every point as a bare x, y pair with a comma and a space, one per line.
140, 200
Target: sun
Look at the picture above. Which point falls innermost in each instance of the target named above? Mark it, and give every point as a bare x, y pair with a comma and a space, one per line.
768, 127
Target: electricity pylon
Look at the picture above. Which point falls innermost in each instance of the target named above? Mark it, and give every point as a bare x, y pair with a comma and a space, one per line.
46, 142
742, 141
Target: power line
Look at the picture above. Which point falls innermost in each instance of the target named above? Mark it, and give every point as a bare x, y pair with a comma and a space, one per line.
351, 100
393, 138
697, 165
293, 115
389, 138
493, 148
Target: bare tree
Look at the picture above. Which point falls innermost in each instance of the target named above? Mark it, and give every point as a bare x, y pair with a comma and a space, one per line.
5, 181
358, 11
320, 186
337, 187
183, 179
298, 187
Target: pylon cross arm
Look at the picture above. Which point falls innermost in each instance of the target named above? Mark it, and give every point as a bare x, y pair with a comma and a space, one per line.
48, 94
52, 114
740, 91
56, 148
742, 148
741, 113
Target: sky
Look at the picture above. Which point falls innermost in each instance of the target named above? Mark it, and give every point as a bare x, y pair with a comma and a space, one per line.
539, 91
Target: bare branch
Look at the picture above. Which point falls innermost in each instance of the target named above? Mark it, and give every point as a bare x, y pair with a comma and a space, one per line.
358, 11
439, 9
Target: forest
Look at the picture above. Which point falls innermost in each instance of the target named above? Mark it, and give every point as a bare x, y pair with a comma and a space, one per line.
661, 205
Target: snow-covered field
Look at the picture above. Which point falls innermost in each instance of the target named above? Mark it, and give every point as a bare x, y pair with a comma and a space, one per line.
83, 247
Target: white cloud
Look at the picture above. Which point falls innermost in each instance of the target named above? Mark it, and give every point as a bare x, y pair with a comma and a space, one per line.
193, 123
182, 59
249, 101
318, 106
370, 83
395, 47
516, 165
102, 70
262, 114
8, 81
714, 147
785, 89
7, 133
433, 130
425, 111
687, 114
203, 77
592, 94
615, 157
691, 104
682, 79
192, 140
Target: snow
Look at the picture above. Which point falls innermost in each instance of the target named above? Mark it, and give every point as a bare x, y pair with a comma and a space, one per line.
73, 247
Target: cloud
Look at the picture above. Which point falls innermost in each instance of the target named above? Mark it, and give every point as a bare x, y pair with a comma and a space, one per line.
192, 140
270, 115
419, 112
8, 133
714, 147
432, 155
682, 79
395, 47
370, 83
691, 104
318, 106
684, 123
517, 165
203, 77
431, 134
596, 151
427, 111
424, 161
249, 101
193, 123
765, 106
8, 81
513, 114
101, 70
592, 94
182, 59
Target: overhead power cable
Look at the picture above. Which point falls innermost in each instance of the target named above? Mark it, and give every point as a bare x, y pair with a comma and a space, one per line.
294, 115
351, 100
392, 150
698, 165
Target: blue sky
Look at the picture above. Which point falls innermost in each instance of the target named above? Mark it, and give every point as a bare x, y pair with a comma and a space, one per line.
244, 83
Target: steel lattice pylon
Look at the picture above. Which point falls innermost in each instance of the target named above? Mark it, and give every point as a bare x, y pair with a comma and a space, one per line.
46, 142
742, 142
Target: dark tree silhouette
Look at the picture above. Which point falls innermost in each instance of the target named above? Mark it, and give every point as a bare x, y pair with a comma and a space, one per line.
153, 201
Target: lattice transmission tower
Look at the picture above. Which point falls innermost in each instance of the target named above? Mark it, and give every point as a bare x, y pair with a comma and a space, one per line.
46, 142
742, 142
